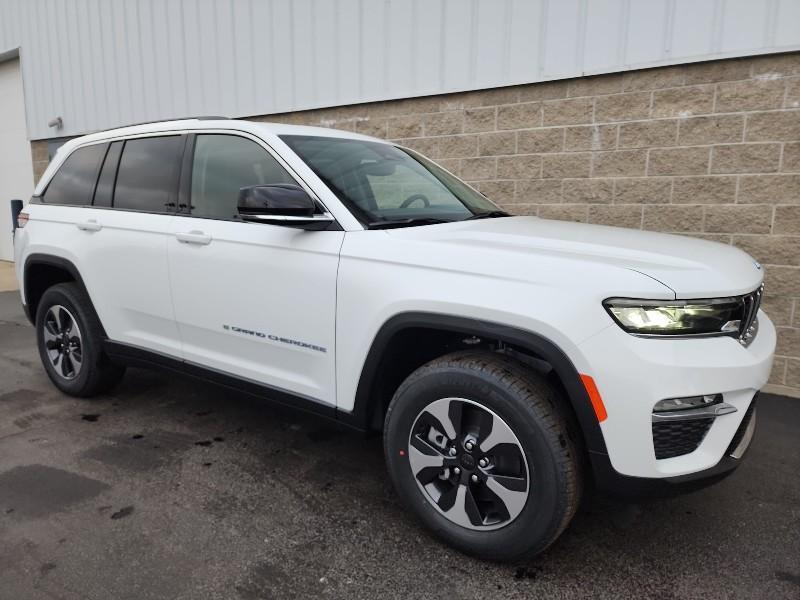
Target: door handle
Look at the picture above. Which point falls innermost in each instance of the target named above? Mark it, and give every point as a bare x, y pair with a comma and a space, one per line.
90, 225
194, 237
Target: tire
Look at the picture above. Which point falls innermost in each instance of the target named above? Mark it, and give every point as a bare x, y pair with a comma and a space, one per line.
475, 387
70, 340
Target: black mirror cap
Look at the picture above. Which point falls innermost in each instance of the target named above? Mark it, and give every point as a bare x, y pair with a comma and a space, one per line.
280, 199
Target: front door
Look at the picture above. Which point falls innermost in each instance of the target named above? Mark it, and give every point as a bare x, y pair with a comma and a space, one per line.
254, 300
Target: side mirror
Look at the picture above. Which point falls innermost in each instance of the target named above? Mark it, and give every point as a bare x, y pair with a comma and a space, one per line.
281, 199
280, 204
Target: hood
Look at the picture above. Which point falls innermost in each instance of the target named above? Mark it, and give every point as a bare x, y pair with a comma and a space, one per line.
691, 268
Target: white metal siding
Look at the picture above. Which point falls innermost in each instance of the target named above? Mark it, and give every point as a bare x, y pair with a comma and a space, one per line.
103, 63
16, 167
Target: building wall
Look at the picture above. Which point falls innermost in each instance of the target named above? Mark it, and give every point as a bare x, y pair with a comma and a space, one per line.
710, 150
99, 64
16, 180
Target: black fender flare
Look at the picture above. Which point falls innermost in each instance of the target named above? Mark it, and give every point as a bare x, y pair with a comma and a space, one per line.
52, 261
538, 345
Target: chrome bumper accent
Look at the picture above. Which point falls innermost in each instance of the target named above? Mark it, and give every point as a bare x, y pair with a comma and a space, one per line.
702, 412
740, 449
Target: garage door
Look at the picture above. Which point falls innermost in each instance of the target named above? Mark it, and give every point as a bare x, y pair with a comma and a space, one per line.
16, 167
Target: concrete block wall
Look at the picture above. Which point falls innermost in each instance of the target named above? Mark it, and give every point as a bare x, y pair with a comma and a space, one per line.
709, 150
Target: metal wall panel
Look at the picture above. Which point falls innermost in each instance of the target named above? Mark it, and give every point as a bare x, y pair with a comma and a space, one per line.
103, 63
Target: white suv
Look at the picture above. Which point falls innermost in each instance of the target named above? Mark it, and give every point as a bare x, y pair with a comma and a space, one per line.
507, 360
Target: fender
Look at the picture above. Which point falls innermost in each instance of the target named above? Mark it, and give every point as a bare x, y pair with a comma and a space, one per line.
50, 260
363, 409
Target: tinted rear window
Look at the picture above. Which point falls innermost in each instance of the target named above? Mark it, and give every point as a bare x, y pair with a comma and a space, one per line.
74, 181
147, 178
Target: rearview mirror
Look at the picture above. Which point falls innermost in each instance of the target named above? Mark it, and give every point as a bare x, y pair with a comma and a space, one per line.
280, 204
382, 168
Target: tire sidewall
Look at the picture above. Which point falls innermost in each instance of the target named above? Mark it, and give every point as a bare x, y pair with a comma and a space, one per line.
543, 511
62, 294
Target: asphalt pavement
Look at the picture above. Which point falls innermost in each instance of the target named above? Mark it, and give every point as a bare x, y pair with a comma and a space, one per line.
169, 488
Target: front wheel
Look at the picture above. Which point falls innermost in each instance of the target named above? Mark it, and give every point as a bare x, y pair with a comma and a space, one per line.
477, 449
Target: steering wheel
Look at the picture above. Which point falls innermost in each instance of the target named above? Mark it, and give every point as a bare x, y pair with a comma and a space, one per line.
408, 201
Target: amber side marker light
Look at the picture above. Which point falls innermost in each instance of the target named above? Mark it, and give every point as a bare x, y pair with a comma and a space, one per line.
594, 397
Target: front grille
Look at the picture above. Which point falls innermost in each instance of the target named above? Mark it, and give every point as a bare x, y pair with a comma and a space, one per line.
748, 327
676, 438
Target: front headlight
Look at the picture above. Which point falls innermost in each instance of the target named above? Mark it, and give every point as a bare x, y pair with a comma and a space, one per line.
719, 316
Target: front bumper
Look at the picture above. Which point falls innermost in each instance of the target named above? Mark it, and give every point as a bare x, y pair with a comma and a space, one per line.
633, 373
612, 482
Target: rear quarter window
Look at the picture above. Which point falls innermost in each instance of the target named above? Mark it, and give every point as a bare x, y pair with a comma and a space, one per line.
73, 184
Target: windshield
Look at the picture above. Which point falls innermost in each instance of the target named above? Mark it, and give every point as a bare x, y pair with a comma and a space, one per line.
381, 183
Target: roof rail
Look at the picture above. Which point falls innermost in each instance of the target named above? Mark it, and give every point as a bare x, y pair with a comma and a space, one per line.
200, 118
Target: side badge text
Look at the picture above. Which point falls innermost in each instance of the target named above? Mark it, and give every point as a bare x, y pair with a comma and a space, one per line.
273, 338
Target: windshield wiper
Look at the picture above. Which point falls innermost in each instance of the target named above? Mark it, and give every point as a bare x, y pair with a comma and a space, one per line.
410, 222
490, 214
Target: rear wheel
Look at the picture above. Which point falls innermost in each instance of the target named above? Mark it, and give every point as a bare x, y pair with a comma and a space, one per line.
478, 450
70, 340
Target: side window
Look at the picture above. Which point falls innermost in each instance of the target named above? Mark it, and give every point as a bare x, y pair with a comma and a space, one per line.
74, 181
222, 165
147, 177
105, 183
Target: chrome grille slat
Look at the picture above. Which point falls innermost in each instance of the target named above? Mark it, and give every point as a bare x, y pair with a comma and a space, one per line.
749, 326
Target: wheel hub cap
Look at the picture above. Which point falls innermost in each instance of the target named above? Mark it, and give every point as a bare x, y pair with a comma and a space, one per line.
469, 463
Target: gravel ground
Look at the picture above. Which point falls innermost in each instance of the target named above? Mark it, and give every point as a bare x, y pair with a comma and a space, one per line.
173, 489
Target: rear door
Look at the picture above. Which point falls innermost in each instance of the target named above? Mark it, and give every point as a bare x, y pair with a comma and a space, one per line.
59, 212
125, 233
253, 300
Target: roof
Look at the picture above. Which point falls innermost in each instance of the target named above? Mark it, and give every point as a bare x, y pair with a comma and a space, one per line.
261, 129
266, 131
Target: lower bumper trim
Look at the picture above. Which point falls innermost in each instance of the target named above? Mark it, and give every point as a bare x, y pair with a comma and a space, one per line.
611, 482
608, 480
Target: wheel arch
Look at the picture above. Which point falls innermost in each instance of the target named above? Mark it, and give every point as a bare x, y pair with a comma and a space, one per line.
368, 408
42, 271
